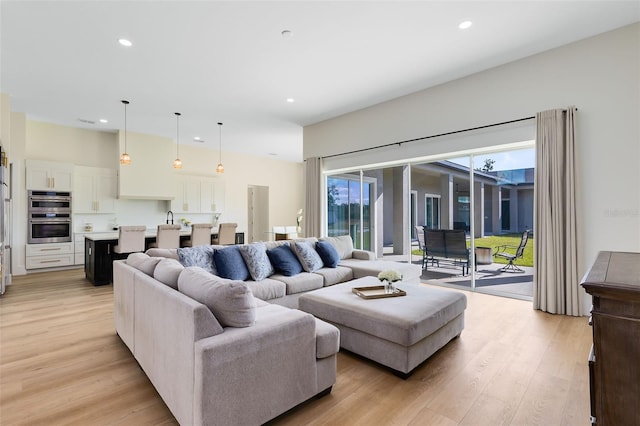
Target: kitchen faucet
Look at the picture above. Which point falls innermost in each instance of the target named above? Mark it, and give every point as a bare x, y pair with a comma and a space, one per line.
169, 213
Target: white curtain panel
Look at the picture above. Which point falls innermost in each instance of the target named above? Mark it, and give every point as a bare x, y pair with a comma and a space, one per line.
556, 282
313, 201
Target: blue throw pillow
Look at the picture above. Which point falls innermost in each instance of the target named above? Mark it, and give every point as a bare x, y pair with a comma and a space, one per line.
229, 264
284, 260
328, 254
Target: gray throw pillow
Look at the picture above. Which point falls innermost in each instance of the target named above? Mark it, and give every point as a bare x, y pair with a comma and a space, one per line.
232, 303
255, 256
309, 258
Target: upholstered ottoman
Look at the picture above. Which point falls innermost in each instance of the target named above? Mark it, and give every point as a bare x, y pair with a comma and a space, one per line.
398, 332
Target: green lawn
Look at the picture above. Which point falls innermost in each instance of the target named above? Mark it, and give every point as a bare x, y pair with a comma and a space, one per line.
499, 240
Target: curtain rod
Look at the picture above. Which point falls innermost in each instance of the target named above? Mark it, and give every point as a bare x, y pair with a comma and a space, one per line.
430, 137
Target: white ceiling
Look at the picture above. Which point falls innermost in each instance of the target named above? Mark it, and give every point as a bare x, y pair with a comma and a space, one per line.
227, 61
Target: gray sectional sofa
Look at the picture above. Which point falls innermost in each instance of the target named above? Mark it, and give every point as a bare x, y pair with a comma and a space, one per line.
214, 349
227, 358
285, 290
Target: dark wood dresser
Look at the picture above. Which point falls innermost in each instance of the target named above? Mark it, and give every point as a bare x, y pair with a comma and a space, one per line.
614, 362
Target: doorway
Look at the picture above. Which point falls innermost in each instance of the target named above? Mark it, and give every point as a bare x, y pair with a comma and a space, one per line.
257, 213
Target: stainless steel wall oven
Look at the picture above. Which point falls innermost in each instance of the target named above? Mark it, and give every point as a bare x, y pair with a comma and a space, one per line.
49, 217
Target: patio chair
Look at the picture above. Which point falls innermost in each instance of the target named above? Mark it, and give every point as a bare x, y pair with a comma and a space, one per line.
504, 252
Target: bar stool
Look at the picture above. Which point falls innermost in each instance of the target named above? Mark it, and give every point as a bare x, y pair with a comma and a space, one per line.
130, 240
200, 235
226, 234
168, 236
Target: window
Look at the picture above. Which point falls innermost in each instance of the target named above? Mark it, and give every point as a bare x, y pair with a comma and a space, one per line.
432, 211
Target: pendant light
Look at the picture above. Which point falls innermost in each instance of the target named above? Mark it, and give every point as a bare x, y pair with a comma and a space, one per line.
177, 163
220, 168
125, 159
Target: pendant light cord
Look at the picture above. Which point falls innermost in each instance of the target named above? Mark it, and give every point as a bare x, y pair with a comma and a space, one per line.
220, 142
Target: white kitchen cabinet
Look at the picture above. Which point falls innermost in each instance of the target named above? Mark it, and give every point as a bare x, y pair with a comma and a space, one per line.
48, 175
94, 190
198, 194
212, 195
78, 248
187, 196
49, 255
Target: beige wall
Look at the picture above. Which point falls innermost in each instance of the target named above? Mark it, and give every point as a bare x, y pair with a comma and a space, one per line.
600, 75
51, 142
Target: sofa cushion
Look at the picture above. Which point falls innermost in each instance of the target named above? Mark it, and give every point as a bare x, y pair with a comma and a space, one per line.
257, 261
232, 303
307, 255
336, 275
343, 245
328, 254
299, 283
230, 264
167, 272
201, 256
284, 261
273, 244
267, 289
143, 262
163, 252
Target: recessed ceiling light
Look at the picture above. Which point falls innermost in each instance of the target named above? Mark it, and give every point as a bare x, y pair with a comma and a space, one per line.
104, 120
465, 25
287, 33
125, 42
198, 139
291, 100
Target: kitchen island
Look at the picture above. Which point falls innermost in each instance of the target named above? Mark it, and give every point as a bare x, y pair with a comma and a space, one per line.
98, 252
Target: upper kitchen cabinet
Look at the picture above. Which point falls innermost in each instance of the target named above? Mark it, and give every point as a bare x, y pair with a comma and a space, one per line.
47, 175
94, 190
212, 195
198, 194
150, 175
187, 195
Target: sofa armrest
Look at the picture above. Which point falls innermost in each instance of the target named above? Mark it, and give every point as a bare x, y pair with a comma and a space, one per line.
251, 375
327, 339
363, 255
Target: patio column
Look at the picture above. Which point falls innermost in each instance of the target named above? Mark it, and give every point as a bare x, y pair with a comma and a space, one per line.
446, 202
401, 205
478, 214
496, 207
513, 210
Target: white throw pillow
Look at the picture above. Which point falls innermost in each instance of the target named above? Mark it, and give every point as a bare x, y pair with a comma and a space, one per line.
231, 302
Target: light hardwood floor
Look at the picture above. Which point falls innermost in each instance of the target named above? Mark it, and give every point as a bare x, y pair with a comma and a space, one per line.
62, 363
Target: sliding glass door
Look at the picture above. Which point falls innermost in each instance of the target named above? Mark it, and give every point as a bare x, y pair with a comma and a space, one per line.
349, 209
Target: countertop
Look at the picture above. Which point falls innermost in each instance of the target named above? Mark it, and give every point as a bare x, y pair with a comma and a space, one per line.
150, 233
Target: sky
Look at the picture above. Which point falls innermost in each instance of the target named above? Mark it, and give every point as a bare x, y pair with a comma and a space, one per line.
508, 160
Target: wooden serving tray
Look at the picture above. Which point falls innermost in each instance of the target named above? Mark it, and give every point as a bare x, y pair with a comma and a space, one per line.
376, 292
